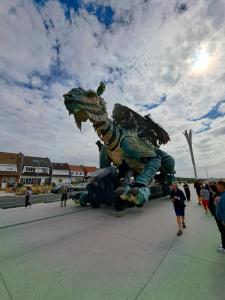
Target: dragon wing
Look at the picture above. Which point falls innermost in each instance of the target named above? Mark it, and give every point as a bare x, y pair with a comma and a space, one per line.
146, 127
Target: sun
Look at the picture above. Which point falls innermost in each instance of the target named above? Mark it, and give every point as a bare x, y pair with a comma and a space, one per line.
201, 61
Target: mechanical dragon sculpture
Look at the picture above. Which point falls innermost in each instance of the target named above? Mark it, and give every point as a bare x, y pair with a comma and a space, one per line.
130, 142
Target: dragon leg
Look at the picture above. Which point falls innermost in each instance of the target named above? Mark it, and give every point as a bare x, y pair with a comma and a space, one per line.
168, 165
140, 195
151, 168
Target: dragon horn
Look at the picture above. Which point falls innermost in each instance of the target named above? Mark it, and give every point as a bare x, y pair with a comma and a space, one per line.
101, 88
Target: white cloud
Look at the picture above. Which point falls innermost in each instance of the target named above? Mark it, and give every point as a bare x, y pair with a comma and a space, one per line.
222, 108
149, 50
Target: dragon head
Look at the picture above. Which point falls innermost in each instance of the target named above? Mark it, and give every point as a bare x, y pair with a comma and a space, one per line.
86, 104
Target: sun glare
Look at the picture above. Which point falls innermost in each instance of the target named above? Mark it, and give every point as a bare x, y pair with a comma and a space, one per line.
201, 61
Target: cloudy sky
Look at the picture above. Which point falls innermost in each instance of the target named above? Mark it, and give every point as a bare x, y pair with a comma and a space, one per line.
161, 57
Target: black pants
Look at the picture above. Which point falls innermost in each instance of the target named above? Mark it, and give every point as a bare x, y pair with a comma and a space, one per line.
27, 201
221, 228
63, 198
188, 194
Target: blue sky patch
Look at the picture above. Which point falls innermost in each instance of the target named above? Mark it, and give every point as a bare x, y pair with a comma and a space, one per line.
103, 13
213, 114
150, 106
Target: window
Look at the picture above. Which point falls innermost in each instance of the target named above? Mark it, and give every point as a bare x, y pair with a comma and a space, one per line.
80, 173
28, 180
29, 169
12, 180
43, 170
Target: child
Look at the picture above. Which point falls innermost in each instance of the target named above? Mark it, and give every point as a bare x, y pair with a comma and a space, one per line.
204, 193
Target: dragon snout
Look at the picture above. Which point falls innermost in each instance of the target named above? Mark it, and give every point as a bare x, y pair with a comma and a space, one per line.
68, 98
67, 95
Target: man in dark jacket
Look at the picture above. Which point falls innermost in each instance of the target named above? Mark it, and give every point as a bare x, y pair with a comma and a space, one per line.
178, 199
197, 187
187, 191
220, 214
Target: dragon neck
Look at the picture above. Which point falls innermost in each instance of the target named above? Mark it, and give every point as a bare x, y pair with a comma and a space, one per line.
109, 133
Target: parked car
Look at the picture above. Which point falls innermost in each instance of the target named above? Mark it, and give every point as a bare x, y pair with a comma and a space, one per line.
80, 187
99, 188
58, 188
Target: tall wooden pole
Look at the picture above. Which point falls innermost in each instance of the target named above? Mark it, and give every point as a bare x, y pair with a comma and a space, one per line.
188, 136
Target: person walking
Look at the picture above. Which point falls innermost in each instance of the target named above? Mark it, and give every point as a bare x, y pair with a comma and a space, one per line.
64, 196
178, 199
197, 187
204, 194
213, 199
187, 191
213, 202
27, 197
220, 214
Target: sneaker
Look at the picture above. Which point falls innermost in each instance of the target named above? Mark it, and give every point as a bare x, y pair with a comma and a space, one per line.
221, 250
183, 225
179, 232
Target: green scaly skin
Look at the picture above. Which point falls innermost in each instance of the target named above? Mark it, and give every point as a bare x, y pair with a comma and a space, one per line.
89, 105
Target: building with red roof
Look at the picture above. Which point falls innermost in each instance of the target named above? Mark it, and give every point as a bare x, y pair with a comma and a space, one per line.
89, 170
77, 173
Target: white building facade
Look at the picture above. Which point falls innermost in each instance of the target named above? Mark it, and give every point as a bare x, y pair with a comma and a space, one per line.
60, 173
35, 171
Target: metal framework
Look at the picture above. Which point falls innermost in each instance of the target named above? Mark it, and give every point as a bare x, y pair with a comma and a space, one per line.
188, 136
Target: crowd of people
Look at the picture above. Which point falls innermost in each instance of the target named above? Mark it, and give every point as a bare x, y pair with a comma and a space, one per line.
211, 196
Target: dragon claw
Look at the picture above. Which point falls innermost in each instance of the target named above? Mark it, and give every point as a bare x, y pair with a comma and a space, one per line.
137, 196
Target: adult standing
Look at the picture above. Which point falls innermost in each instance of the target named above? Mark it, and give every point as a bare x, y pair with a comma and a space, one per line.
187, 191
220, 214
178, 199
27, 197
213, 199
197, 187
64, 196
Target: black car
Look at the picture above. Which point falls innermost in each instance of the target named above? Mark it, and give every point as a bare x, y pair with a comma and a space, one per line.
58, 189
100, 188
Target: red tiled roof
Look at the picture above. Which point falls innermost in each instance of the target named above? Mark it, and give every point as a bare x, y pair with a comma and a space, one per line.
76, 168
90, 169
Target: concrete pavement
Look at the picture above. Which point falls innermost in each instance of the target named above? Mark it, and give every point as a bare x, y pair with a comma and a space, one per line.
11, 201
49, 252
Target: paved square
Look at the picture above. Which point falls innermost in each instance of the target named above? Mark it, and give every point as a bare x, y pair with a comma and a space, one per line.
48, 252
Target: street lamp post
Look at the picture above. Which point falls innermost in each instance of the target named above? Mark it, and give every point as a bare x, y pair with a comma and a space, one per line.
188, 136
